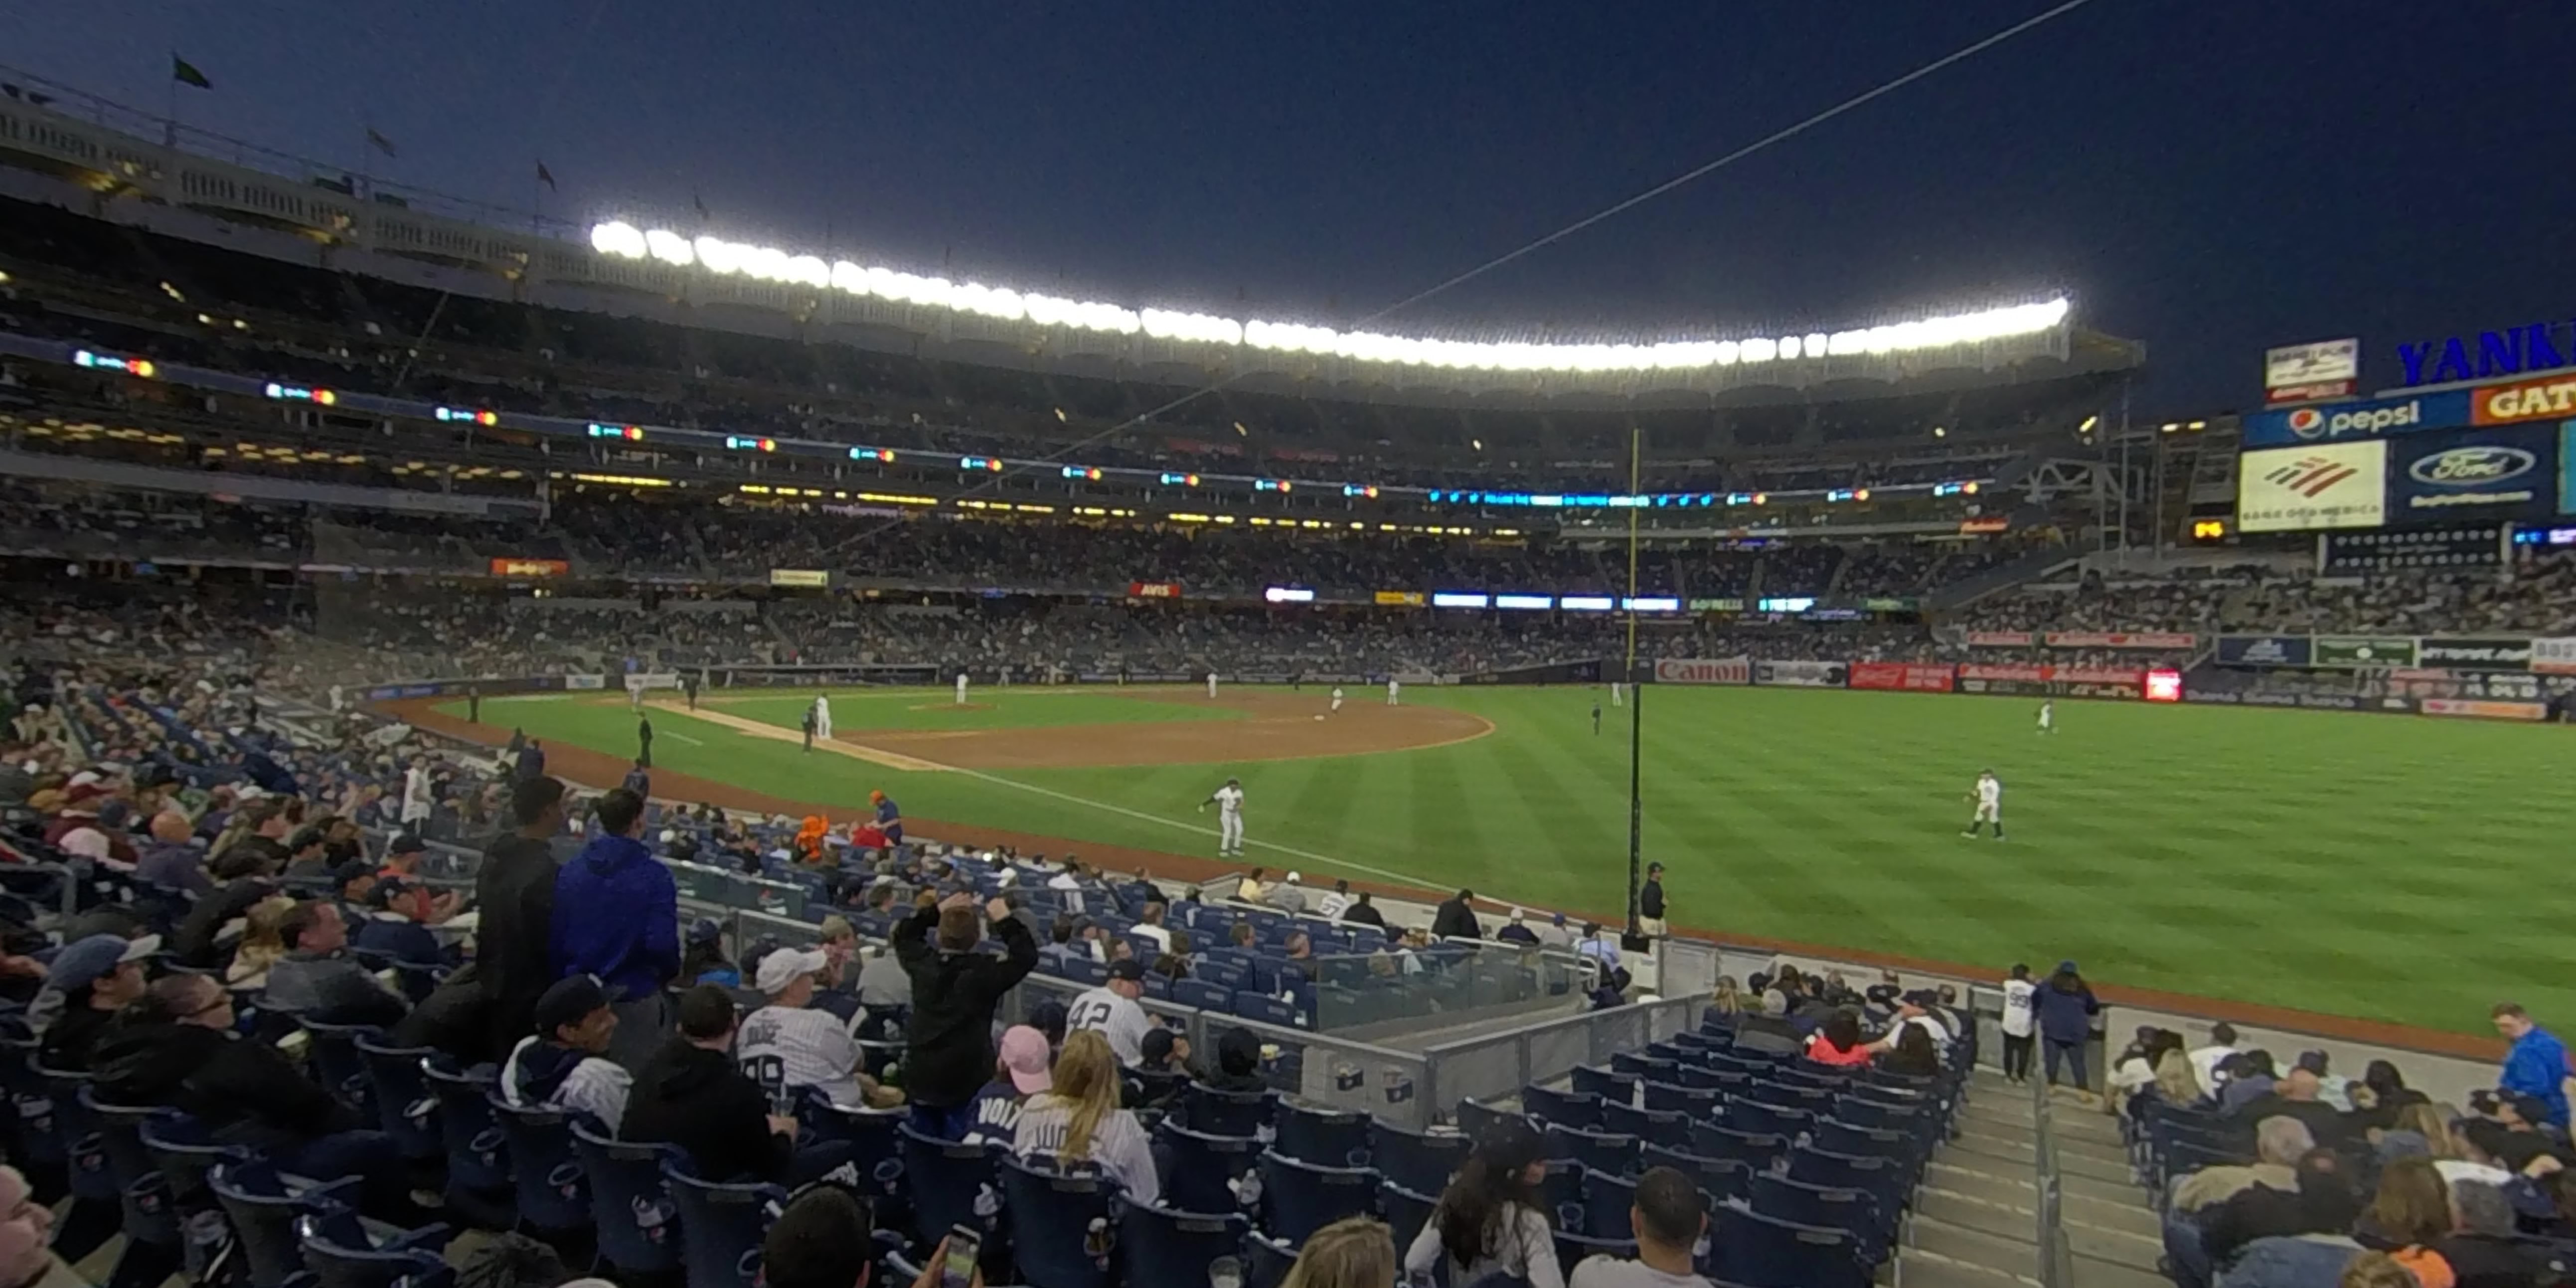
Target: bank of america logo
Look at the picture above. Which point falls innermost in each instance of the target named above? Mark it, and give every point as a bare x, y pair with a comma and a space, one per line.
2310, 476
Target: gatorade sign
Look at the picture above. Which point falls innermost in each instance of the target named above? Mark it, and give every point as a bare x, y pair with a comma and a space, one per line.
2548, 398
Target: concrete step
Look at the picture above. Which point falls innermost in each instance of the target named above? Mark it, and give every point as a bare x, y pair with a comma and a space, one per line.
1991, 1154
2001, 1219
2090, 1273
1931, 1270
2011, 1186
2118, 1194
2130, 1217
2118, 1247
2074, 1122
1955, 1242
2088, 1162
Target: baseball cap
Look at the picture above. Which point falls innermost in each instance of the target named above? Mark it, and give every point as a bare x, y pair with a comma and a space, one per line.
87, 961
88, 843
1157, 1044
350, 870
1024, 1054
2531, 1109
786, 966
569, 1001
1294, 878
1130, 970
705, 930
406, 843
2067, 966
388, 890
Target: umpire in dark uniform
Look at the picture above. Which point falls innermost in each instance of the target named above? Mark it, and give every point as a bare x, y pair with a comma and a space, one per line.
644, 742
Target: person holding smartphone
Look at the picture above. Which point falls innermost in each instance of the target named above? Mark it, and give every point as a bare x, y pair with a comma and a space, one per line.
823, 1240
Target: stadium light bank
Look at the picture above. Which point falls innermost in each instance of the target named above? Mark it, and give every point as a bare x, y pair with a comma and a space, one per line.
762, 263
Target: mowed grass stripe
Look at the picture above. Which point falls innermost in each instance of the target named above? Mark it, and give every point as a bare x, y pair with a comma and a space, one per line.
2395, 868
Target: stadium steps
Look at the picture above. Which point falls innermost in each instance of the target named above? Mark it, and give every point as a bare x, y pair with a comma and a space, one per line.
2112, 1235
1973, 1220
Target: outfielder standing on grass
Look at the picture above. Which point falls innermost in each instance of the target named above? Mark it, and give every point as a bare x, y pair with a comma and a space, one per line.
1229, 817
1990, 805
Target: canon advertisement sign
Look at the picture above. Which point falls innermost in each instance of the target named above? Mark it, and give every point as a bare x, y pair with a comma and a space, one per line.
1704, 670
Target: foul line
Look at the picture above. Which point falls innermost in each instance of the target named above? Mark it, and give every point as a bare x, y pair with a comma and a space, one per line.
681, 737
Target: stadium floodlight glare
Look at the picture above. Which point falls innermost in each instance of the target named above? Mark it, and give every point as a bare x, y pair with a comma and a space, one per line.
623, 240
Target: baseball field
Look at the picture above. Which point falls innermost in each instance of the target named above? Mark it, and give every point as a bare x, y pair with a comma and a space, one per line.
2385, 868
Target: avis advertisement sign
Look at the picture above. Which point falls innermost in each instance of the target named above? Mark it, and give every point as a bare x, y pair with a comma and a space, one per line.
2308, 372
1805, 675
2478, 473
2293, 489
1704, 670
2368, 418
1912, 677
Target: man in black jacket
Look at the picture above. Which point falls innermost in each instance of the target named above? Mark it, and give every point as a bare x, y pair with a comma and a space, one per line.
949, 1041
175, 1049
96, 976
515, 892
1456, 918
691, 1094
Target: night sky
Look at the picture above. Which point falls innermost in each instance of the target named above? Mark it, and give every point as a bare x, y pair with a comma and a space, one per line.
2209, 176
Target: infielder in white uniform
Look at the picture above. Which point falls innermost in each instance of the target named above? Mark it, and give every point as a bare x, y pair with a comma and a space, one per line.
1211, 684
1990, 805
1392, 689
1337, 697
1229, 817
2047, 716
961, 688
822, 716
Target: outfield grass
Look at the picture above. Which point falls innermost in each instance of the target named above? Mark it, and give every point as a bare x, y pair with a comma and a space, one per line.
2385, 867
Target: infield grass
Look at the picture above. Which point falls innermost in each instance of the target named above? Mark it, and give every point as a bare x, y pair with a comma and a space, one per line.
2392, 868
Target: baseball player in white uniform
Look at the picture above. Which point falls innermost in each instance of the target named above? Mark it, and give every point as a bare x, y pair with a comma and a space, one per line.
961, 688
1990, 805
1229, 817
2047, 716
1211, 684
1337, 697
822, 716
1393, 687
1112, 1010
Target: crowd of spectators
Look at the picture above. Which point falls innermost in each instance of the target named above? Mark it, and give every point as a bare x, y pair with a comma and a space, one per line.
2534, 595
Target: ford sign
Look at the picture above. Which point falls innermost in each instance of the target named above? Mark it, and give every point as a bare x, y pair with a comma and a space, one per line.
2476, 466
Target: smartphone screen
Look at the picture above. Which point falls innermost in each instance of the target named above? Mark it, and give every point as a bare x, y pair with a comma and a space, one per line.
964, 1246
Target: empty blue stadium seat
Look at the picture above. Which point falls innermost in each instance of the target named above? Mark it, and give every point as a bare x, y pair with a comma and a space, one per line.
1158, 1244
1598, 1151
1334, 1138
1884, 1180
629, 1201
1406, 1211
721, 1226
1051, 1218
1611, 1087
263, 1216
1799, 1203
1476, 1119
1630, 1062
1300, 1198
1766, 1119
1694, 1102
404, 1106
1418, 1161
549, 1182
1227, 1113
1757, 1251
1199, 1168
1754, 1148
346, 1258
951, 1183
1206, 995
1262, 1008
1644, 1124
477, 1152
1719, 1179
1561, 1108
1838, 1137
1606, 1201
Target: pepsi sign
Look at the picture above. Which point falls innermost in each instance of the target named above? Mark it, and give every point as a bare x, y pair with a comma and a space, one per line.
2347, 421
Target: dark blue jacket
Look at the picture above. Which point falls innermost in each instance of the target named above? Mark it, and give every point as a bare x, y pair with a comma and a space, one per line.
2064, 1017
403, 940
617, 916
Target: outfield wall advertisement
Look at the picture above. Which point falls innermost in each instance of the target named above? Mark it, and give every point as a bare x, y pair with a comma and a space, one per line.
2329, 485
1704, 670
1913, 677
1805, 675
2477, 473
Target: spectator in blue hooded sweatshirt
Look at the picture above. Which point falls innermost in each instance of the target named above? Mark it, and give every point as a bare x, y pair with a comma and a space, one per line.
2065, 1008
617, 917
2537, 1063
